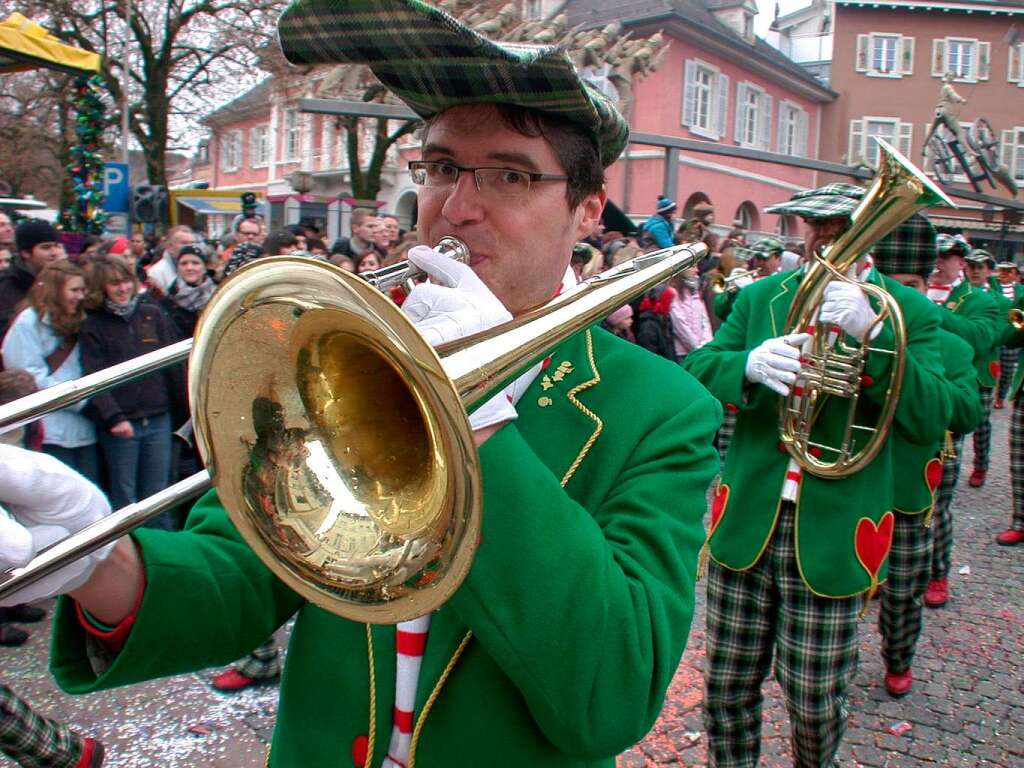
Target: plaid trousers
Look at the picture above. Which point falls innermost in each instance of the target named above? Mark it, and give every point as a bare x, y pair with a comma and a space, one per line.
899, 616
942, 519
1017, 463
34, 741
262, 663
766, 609
1008, 359
725, 432
983, 434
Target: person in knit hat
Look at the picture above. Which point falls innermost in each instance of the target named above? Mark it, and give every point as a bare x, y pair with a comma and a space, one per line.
588, 547
38, 245
784, 540
907, 256
657, 230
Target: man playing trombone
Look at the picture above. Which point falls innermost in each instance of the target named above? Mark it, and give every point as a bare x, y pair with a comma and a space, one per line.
559, 645
793, 556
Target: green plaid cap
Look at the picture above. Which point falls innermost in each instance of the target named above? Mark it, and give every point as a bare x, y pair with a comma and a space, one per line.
947, 243
432, 62
1007, 265
908, 249
765, 248
981, 256
829, 202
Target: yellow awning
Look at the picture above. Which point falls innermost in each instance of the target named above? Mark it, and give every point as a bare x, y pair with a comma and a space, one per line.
25, 45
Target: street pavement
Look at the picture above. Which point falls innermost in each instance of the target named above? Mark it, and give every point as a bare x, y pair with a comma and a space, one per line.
966, 709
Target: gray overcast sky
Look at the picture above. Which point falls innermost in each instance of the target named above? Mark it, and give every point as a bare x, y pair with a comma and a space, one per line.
767, 12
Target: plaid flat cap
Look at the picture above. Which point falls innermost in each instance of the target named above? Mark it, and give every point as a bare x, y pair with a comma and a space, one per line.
908, 249
949, 243
1007, 265
432, 62
981, 256
832, 201
766, 247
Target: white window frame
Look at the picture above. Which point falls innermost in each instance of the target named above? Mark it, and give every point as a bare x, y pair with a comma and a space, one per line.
717, 90
1015, 64
291, 136
753, 121
902, 55
259, 146
1011, 151
981, 59
794, 124
231, 151
901, 138
965, 128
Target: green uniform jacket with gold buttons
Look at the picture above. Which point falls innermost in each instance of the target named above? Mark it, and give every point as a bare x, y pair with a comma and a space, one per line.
1016, 302
920, 468
579, 600
973, 315
842, 536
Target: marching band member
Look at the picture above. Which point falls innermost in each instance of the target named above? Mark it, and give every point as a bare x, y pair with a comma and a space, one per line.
973, 316
1007, 281
978, 266
558, 647
792, 555
1015, 533
907, 256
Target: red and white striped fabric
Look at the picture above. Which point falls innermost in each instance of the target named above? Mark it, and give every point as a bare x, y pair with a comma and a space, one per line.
939, 292
410, 641
1008, 291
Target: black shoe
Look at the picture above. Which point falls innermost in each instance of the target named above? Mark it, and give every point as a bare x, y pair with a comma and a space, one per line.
25, 614
12, 636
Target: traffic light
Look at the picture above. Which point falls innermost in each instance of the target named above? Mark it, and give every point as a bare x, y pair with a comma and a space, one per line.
149, 204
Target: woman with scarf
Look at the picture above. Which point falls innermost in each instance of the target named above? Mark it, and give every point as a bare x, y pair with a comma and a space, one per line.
134, 421
43, 340
190, 291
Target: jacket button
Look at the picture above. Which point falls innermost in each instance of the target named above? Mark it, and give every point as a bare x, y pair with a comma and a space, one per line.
815, 451
360, 745
866, 381
782, 447
731, 407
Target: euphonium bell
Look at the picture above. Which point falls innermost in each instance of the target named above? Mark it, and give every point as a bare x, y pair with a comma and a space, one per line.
833, 369
337, 437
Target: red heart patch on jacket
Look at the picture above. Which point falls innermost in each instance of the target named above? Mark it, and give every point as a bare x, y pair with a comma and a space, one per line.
995, 368
872, 542
933, 473
718, 505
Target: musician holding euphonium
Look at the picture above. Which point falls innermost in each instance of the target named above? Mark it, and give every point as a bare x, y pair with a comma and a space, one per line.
559, 645
794, 555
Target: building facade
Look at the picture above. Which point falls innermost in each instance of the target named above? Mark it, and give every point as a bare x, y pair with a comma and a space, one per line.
889, 59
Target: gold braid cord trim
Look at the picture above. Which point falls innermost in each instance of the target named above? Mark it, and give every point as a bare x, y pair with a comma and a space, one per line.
373, 700
598, 424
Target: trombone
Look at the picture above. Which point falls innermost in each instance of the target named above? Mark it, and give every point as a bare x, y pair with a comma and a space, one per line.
721, 284
301, 376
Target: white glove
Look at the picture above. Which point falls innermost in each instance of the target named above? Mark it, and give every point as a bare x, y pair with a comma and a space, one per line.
775, 362
847, 306
741, 282
47, 502
455, 304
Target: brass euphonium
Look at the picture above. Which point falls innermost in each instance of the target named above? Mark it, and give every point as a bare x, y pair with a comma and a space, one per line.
831, 367
337, 437
1016, 318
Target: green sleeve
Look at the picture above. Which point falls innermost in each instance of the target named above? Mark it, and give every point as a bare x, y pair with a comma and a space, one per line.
723, 304
588, 611
976, 326
208, 601
963, 385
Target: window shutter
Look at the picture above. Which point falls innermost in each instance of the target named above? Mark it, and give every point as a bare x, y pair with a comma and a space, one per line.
855, 148
863, 45
741, 112
800, 149
764, 130
1006, 149
1013, 73
938, 58
984, 57
905, 138
780, 130
689, 93
722, 104
907, 45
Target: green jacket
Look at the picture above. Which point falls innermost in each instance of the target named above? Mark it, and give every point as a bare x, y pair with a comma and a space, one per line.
829, 512
1008, 304
973, 315
723, 304
920, 468
579, 599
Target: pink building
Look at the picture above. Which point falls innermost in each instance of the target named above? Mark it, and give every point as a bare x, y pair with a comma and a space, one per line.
889, 57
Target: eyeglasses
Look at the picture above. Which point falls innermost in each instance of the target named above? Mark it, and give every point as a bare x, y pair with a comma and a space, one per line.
501, 182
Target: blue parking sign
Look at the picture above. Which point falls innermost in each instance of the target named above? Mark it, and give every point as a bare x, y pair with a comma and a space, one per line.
117, 197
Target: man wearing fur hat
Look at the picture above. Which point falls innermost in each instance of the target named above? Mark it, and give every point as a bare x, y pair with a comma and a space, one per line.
557, 648
794, 556
38, 246
907, 256
972, 315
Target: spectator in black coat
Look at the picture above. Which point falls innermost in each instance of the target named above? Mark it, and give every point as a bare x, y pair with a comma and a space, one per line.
38, 246
190, 291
